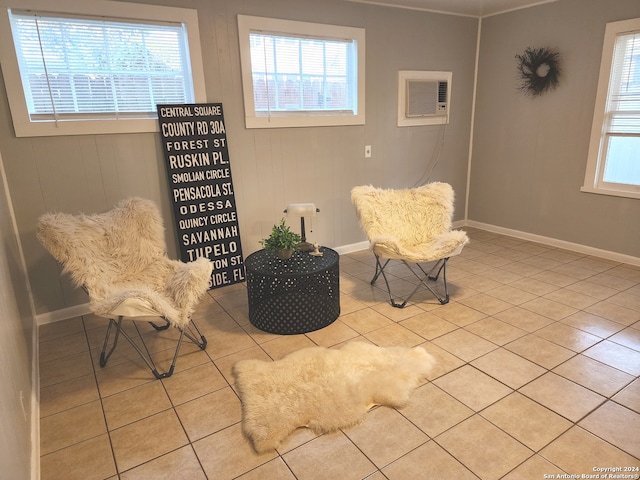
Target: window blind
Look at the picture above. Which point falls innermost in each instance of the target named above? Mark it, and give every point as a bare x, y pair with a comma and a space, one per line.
623, 108
622, 123
298, 74
75, 68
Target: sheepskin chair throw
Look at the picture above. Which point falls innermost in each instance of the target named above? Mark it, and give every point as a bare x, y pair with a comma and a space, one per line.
411, 224
120, 258
324, 389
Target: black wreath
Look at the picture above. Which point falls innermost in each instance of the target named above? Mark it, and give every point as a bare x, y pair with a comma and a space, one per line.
539, 70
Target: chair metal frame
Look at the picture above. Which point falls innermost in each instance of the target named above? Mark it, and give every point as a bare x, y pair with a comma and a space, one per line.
146, 355
439, 266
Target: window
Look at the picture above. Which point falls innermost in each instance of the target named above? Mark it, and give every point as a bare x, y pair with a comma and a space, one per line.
297, 74
85, 73
613, 166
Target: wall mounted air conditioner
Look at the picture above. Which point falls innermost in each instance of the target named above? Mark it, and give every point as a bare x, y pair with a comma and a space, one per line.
424, 98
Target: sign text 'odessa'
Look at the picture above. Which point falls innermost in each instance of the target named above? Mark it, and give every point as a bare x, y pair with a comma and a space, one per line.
195, 148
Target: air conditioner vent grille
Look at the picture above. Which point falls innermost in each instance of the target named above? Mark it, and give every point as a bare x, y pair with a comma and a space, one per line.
442, 92
423, 97
426, 98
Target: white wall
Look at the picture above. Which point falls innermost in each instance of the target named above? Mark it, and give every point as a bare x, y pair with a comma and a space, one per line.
16, 352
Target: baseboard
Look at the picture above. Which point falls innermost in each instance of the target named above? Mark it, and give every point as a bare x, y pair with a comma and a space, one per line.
75, 311
354, 247
554, 242
35, 408
63, 314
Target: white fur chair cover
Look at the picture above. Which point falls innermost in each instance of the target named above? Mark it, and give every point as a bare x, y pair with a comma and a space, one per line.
409, 224
120, 258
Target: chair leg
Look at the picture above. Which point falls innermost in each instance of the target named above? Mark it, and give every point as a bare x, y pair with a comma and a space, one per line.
145, 354
440, 266
184, 332
191, 335
161, 327
379, 268
104, 356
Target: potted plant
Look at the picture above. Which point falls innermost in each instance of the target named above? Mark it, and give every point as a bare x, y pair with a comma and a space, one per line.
282, 241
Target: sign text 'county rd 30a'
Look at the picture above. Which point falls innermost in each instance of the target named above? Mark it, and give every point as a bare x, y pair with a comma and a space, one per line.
195, 147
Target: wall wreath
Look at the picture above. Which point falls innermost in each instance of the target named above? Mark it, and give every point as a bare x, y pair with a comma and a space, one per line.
539, 70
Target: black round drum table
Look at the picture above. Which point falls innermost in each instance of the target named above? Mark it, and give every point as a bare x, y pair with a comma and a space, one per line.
293, 296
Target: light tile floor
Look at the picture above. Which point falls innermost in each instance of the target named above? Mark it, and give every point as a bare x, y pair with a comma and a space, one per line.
538, 374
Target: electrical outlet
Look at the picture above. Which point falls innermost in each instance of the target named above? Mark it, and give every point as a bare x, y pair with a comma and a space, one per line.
367, 151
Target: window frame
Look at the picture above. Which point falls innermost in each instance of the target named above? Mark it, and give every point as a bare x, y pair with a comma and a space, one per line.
248, 24
22, 123
596, 161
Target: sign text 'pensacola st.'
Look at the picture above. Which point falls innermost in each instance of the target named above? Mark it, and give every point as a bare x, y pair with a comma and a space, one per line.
197, 157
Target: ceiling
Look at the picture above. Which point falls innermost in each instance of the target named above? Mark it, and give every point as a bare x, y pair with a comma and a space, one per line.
473, 8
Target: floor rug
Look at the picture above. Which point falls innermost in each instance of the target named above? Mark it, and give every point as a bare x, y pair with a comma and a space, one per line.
324, 389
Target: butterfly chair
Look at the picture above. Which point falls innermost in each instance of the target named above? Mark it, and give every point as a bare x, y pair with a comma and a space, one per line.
119, 258
412, 226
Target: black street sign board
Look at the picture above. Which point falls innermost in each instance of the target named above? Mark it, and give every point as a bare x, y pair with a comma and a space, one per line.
194, 140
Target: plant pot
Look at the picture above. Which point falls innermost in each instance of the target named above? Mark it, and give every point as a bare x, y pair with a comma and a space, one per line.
284, 253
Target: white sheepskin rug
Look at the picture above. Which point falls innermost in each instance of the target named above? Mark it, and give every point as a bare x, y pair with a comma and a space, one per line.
324, 389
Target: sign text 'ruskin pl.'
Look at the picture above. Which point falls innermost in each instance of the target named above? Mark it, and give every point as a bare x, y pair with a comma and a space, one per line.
195, 146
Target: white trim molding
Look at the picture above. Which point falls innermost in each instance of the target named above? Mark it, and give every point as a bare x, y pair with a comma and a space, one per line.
604, 129
554, 242
352, 115
354, 247
63, 314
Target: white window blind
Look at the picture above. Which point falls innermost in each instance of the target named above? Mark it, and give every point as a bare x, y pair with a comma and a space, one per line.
622, 118
624, 97
302, 74
84, 68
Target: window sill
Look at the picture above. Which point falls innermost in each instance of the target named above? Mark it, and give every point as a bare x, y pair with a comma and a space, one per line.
609, 192
85, 127
304, 121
